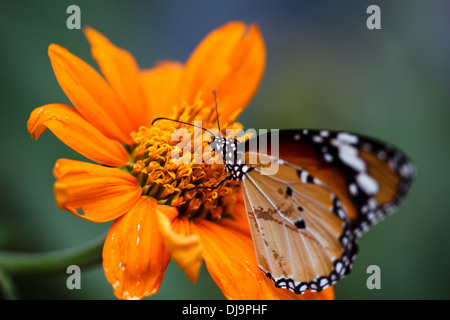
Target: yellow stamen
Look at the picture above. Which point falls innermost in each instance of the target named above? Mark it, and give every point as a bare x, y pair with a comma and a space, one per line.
173, 181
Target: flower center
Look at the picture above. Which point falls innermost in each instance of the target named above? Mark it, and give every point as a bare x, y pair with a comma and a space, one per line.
172, 176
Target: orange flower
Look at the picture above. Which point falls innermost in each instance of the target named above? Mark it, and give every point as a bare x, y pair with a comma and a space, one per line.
137, 184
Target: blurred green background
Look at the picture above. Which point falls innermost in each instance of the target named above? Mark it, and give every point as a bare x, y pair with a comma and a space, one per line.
325, 69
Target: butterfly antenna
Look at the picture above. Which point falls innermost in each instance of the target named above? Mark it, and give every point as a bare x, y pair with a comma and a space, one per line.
217, 111
186, 123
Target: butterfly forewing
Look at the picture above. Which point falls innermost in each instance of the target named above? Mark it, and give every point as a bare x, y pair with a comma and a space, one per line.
369, 177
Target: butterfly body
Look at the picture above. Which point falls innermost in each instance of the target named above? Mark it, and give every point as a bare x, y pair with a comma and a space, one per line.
231, 151
329, 188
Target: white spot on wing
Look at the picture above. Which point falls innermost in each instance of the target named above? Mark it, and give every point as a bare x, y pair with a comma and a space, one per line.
304, 176
367, 183
353, 189
347, 137
324, 133
317, 139
328, 157
349, 155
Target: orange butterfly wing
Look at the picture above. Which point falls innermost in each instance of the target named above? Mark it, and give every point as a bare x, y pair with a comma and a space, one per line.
329, 187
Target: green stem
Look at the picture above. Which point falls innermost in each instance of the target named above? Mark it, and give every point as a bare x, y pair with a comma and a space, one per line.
7, 287
53, 261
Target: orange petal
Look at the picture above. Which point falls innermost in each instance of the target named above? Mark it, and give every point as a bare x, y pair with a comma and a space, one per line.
122, 73
239, 221
102, 193
159, 86
91, 95
134, 255
230, 259
70, 127
183, 245
231, 60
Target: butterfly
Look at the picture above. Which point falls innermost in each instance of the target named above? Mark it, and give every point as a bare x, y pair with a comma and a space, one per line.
329, 188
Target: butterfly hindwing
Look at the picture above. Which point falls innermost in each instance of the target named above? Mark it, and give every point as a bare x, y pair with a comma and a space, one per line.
300, 232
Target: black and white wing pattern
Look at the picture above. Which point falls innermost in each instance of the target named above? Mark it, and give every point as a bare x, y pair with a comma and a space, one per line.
328, 189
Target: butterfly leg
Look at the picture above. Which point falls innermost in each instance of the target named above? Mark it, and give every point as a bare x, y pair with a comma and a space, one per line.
215, 187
